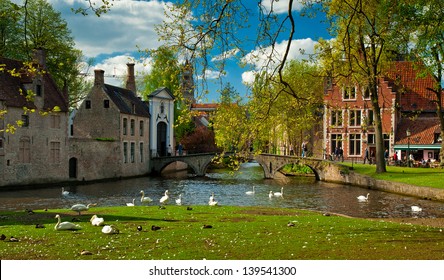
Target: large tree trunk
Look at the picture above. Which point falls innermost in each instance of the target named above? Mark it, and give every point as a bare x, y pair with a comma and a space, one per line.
380, 160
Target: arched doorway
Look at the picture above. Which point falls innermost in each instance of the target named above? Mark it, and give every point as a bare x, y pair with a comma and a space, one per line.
73, 167
161, 139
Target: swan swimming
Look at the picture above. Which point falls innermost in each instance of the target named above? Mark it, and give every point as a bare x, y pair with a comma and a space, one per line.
65, 225
81, 207
279, 193
131, 204
145, 199
363, 198
164, 199
64, 192
96, 221
270, 194
179, 200
250, 192
416, 208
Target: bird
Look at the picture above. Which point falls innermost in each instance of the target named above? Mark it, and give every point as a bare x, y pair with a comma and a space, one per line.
2, 237
212, 202
279, 193
189, 208
39, 226
145, 199
96, 221
270, 194
131, 203
65, 225
363, 198
179, 200
290, 224
85, 252
64, 192
416, 208
81, 207
139, 228
250, 192
164, 199
110, 229
207, 226
154, 228
13, 239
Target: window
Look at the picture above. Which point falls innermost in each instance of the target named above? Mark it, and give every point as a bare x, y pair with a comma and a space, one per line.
349, 93
1, 143
354, 145
141, 128
336, 141
125, 126
133, 106
336, 118
125, 152
355, 118
87, 104
24, 150
366, 93
38, 90
133, 151
25, 120
106, 103
55, 152
162, 108
132, 128
55, 121
386, 139
371, 138
141, 151
370, 118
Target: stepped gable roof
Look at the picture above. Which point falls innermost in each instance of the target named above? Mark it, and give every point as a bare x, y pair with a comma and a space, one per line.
124, 99
406, 78
12, 86
422, 131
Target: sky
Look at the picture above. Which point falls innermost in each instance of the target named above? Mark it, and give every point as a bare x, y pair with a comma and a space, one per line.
114, 38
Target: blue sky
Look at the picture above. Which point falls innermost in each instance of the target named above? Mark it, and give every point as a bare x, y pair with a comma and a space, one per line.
113, 39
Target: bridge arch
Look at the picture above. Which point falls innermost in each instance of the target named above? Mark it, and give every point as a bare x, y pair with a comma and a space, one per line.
197, 162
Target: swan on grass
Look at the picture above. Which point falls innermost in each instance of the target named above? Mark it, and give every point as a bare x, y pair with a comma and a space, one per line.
65, 225
164, 199
64, 193
363, 198
131, 203
81, 207
250, 192
145, 199
110, 229
279, 193
212, 202
416, 208
179, 200
96, 221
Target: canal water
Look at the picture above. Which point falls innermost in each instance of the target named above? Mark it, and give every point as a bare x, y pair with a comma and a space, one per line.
229, 188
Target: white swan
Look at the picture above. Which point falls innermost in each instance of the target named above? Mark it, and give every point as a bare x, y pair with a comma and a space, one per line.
145, 199
416, 208
96, 221
212, 202
64, 192
65, 225
164, 199
110, 229
270, 194
131, 204
250, 192
363, 198
81, 207
279, 193
179, 200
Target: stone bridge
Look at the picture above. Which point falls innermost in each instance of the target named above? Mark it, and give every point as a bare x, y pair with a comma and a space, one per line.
198, 162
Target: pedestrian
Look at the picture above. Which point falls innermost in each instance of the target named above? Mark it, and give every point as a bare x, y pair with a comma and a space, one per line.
386, 156
180, 148
304, 148
336, 153
341, 154
366, 157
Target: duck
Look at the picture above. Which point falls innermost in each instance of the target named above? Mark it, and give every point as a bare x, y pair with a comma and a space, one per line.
131, 203
179, 200
65, 225
363, 198
416, 208
145, 199
212, 202
110, 229
207, 226
139, 228
270, 194
279, 193
154, 228
96, 221
64, 193
85, 253
39, 226
164, 199
81, 207
250, 192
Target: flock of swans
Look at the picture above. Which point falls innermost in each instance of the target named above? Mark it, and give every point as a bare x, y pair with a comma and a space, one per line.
413, 208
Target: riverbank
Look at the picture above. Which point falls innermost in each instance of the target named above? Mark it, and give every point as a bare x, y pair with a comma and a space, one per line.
231, 233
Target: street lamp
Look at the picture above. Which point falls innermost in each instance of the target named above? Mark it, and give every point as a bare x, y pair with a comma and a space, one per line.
408, 146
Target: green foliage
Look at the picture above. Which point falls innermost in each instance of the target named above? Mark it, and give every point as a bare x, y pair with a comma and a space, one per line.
296, 169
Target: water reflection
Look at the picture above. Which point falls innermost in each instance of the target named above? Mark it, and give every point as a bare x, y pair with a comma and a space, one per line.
229, 189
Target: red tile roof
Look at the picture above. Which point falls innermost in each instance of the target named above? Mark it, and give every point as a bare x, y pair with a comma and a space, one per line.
422, 131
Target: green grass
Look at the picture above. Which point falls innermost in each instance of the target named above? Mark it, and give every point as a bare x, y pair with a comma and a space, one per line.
237, 233
424, 177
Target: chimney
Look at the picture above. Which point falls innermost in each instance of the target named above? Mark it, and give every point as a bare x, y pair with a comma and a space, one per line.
39, 56
99, 79
130, 79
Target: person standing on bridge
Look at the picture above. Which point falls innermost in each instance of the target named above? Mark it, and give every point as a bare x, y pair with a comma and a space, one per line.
180, 148
304, 149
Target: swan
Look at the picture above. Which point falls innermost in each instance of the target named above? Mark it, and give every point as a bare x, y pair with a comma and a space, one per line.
64, 192
81, 207
131, 204
179, 200
145, 199
96, 221
250, 192
416, 208
270, 194
363, 198
110, 229
279, 193
65, 225
212, 202
164, 199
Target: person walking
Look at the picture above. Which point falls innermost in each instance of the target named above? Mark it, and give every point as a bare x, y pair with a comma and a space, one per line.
366, 156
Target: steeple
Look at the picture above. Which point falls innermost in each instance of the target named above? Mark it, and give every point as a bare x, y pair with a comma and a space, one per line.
187, 82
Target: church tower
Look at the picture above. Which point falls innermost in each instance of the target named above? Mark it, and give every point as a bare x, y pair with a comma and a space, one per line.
187, 83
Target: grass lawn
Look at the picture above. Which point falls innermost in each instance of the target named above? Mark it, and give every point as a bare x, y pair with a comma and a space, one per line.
425, 177
237, 233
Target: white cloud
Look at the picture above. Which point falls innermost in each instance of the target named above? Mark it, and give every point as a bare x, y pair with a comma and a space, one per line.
226, 55
248, 77
281, 6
